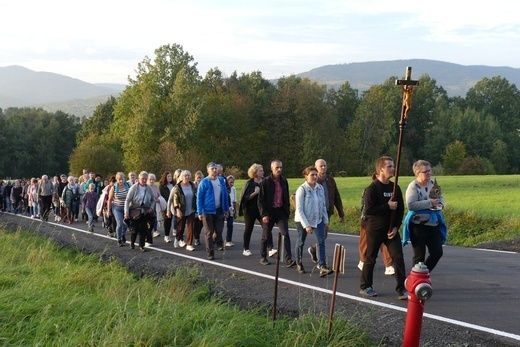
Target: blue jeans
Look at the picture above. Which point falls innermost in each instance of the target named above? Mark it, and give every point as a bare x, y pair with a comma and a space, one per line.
119, 215
319, 231
90, 214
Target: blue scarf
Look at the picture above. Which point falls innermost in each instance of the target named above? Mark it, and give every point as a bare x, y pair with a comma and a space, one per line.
435, 217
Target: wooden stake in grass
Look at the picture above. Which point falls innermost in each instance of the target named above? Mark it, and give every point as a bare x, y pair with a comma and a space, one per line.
276, 276
339, 267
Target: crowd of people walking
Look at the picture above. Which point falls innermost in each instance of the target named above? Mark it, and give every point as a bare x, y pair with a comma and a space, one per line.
136, 205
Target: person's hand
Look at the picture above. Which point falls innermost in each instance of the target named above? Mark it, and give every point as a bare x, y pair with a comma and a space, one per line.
392, 205
434, 203
201, 217
392, 233
179, 213
257, 190
308, 230
127, 216
265, 219
169, 214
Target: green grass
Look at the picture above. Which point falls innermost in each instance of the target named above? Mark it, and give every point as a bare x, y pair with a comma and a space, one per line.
478, 208
60, 297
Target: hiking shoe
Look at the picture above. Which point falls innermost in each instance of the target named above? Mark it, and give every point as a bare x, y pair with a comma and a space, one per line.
247, 253
290, 263
272, 252
264, 261
300, 269
403, 295
368, 292
312, 252
324, 271
360, 265
389, 271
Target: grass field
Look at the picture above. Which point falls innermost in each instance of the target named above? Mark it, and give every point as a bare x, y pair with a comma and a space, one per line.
478, 208
60, 297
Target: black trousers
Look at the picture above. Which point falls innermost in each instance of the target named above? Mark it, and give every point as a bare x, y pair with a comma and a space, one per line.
426, 236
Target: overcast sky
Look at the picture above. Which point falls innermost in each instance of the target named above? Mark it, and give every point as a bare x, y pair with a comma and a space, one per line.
103, 41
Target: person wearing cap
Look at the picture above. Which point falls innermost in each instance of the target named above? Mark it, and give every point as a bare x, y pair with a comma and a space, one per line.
212, 207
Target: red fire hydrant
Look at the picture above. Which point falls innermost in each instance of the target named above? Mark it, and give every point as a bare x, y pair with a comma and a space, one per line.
419, 289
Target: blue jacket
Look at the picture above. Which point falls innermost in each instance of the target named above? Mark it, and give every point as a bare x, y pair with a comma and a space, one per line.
434, 217
206, 197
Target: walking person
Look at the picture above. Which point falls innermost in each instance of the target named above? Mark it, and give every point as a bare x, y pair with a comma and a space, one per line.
380, 204
45, 196
332, 199
116, 206
197, 224
311, 217
212, 207
184, 207
16, 197
232, 210
165, 188
69, 198
139, 210
90, 199
274, 207
424, 223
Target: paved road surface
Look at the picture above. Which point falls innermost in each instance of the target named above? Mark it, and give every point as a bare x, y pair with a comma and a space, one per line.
472, 288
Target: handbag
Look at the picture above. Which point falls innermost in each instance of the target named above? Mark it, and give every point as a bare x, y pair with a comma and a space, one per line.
135, 213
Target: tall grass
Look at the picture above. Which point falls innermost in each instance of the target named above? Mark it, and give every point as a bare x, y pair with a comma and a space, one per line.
478, 208
59, 297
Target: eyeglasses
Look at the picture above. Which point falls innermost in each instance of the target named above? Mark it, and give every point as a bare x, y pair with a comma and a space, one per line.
426, 171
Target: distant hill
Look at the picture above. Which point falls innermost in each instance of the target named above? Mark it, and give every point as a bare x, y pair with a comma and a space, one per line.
454, 78
22, 87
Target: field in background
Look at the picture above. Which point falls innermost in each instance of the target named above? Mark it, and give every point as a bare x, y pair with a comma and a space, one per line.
478, 208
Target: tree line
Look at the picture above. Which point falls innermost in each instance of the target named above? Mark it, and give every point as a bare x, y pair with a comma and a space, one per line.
169, 117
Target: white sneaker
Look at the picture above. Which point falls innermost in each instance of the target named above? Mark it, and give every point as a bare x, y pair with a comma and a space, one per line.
229, 244
167, 239
272, 252
147, 244
247, 253
190, 248
182, 243
389, 271
360, 265
175, 244
155, 234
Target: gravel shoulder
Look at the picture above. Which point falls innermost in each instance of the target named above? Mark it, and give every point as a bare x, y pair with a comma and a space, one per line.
247, 291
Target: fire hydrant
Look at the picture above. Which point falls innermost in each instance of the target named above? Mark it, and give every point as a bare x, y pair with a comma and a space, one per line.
419, 289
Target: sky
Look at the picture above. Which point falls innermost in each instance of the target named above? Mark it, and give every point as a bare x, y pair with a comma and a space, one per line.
104, 41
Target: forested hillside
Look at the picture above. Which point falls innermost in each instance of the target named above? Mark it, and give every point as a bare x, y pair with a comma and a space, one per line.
170, 116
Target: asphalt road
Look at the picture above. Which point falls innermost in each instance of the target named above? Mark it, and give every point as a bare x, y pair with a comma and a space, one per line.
472, 288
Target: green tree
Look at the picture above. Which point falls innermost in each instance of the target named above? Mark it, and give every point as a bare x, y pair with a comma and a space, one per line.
100, 122
454, 157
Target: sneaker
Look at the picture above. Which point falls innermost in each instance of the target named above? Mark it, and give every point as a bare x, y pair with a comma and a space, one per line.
324, 271
272, 252
121, 244
142, 249
197, 242
403, 295
176, 244
264, 261
368, 292
389, 271
156, 233
182, 243
290, 263
167, 239
221, 248
300, 269
211, 257
190, 248
147, 244
312, 252
229, 244
247, 253
360, 265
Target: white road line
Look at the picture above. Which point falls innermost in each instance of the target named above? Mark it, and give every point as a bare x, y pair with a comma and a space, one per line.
307, 286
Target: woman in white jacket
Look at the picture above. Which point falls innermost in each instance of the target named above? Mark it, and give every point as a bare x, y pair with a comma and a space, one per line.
311, 217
